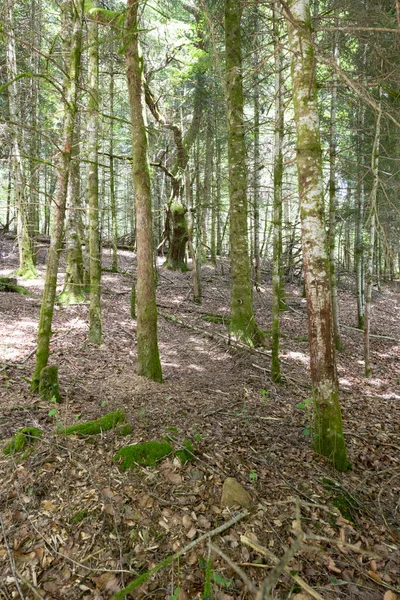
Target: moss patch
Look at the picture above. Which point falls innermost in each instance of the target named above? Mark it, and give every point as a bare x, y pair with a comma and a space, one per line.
9, 284
24, 437
186, 454
220, 319
348, 506
105, 423
146, 454
124, 429
48, 384
78, 517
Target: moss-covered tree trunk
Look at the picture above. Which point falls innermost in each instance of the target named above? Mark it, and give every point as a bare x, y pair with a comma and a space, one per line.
50, 284
371, 246
95, 324
243, 325
147, 345
277, 277
328, 429
196, 263
26, 263
73, 284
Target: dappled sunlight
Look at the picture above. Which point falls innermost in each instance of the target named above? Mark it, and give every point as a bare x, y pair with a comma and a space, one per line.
17, 337
298, 357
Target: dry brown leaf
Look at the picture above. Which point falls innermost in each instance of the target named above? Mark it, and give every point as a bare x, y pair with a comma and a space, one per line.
390, 596
191, 533
375, 576
187, 522
107, 581
174, 478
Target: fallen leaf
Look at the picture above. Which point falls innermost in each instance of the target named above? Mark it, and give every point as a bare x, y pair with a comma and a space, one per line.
389, 596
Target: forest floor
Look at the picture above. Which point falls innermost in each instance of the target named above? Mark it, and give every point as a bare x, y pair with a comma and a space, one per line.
74, 526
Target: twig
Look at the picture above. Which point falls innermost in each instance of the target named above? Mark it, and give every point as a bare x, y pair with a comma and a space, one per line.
265, 552
250, 585
10, 557
170, 559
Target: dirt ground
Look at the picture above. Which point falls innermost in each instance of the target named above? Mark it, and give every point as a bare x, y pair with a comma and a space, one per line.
74, 526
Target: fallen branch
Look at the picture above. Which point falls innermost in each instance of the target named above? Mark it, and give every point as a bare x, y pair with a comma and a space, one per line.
170, 559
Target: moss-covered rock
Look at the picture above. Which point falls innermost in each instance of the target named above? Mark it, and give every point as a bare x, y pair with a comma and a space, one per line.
124, 429
48, 384
95, 427
24, 437
9, 284
145, 454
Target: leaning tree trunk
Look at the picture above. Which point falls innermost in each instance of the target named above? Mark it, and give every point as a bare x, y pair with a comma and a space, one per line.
243, 325
277, 279
95, 325
26, 263
370, 258
147, 345
50, 284
328, 428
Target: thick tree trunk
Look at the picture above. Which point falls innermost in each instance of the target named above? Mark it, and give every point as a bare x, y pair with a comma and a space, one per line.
147, 345
277, 279
243, 325
95, 325
328, 428
50, 284
26, 263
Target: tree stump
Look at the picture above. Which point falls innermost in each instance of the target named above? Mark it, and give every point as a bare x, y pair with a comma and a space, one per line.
48, 384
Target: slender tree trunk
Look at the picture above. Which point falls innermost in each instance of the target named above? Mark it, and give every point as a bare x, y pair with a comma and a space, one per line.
50, 284
277, 279
370, 258
332, 200
147, 345
208, 168
243, 324
26, 263
73, 284
95, 326
328, 428
192, 248
113, 207
256, 158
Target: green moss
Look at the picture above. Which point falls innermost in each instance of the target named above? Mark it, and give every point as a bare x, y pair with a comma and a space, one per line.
124, 429
348, 506
48, 384
78, 517
23, 438
9, 284
146, 454
105, 423
186, 454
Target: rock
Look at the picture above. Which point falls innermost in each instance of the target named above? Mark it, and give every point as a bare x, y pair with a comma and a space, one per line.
233, 494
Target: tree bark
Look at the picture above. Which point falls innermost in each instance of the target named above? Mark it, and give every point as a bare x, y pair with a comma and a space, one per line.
243, 325
50, 284
147, 345
277, 279
26, 263
328, 428
95, 324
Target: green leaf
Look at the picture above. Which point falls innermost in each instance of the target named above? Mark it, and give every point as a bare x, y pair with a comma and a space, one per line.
52, 412
220, 580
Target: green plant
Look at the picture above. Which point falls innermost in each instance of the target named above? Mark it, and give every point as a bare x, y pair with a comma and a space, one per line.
253, 476
306, 405
264, 396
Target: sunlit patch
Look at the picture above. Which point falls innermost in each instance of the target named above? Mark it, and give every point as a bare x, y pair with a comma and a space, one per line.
17, 338
197, 368
298, 356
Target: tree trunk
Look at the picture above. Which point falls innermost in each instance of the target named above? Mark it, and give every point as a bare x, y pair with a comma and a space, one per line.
26, 263
332, 200
113, 206
193, 250
50, 284
328, 428
95, 325
277, 279
147, 345
73, 284
370, 258
243, 325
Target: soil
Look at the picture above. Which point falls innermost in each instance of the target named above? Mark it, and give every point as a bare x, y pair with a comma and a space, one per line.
74, 526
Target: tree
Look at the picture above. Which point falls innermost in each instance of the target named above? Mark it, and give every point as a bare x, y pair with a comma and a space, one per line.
147, 344
243, 325
70, 108
328, 428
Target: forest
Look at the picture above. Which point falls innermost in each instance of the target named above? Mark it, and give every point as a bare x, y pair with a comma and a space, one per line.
199, 299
